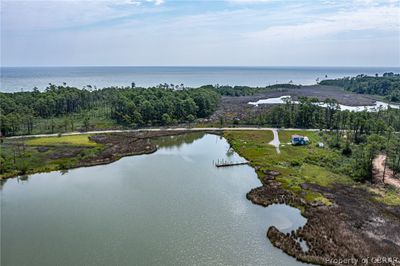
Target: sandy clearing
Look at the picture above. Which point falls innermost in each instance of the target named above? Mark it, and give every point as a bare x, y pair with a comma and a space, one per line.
379, 170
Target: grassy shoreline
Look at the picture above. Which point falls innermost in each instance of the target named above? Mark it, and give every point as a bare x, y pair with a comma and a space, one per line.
45, 154
339, 210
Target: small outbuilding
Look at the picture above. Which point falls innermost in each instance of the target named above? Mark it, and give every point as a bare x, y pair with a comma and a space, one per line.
300, 140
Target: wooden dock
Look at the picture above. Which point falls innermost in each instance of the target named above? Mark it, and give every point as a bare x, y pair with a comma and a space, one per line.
228, 164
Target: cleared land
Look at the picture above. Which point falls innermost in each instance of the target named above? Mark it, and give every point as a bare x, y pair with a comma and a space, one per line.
382, 173
237, 107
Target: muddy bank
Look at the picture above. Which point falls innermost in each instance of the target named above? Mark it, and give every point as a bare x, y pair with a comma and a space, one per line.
354, 230
314, 91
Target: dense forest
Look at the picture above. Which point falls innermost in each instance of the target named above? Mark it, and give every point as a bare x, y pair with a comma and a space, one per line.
162, 106
64, 108
357, 136
387, 85
132, 107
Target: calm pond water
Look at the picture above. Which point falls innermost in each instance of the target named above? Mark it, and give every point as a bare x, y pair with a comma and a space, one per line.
172, 207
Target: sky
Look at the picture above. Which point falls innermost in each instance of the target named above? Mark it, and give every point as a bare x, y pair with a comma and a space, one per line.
200, 33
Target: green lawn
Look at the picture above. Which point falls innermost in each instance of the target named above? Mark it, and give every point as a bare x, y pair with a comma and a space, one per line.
75, 140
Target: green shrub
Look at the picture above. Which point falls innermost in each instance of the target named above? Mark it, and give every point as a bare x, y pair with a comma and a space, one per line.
296, 163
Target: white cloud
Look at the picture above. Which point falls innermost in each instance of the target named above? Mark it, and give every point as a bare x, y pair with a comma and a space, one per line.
129, 2
123, 32
54, 14
376, 18
249, 1
156, 2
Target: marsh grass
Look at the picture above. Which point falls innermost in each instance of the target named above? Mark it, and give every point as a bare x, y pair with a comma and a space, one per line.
297, 164
75, 140
387, 196
61, 153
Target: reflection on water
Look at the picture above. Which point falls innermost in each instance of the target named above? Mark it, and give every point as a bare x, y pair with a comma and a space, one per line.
2, 183
172, 207
23, 178
230, 152
177, 141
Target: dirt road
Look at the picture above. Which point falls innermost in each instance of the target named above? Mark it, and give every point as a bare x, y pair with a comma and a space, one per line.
379, 170
194, 129
275, 142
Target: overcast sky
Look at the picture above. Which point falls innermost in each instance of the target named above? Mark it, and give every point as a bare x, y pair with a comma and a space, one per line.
202, 32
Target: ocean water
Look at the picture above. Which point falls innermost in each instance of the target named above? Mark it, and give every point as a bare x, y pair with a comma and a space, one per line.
26, 78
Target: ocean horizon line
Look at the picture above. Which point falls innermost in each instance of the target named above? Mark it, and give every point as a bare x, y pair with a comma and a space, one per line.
201, 66
17, 78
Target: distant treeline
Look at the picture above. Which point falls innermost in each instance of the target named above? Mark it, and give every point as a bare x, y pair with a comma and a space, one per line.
387, 85
246, 90
127, 106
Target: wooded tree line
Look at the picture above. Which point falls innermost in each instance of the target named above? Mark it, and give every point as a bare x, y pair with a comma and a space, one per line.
246, 90
128, 106
135, 107
307, 113
387, 85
